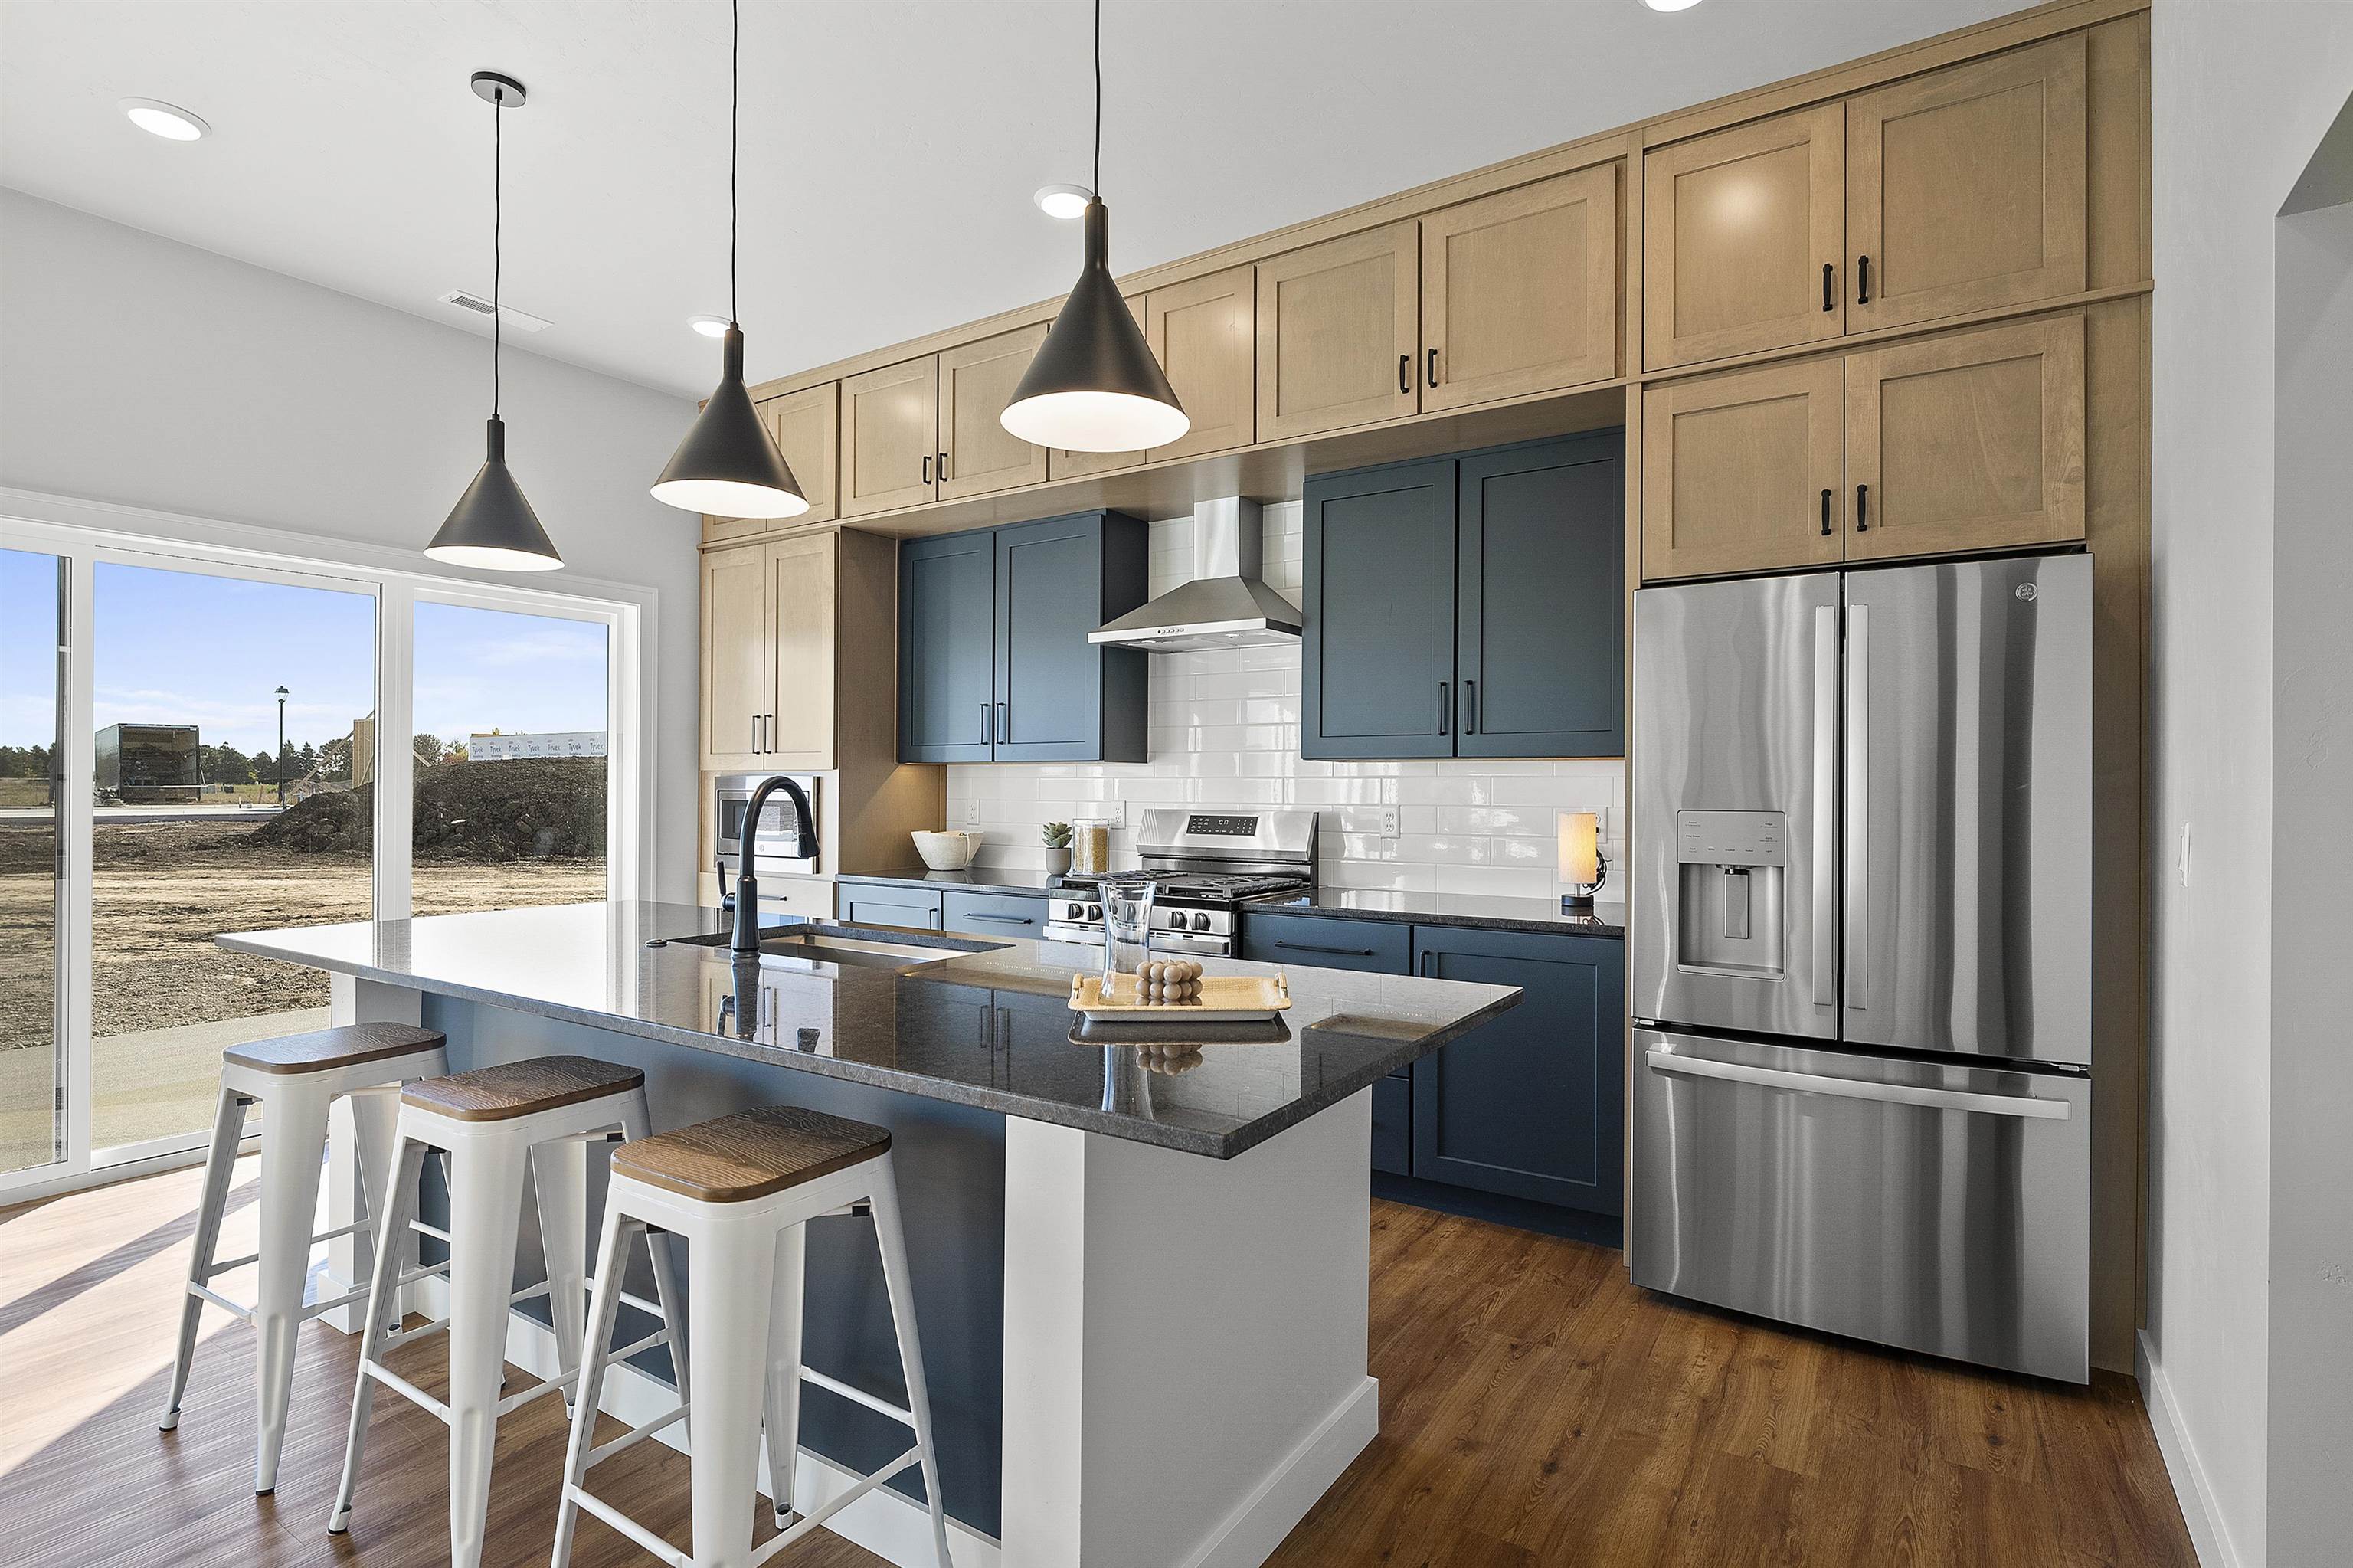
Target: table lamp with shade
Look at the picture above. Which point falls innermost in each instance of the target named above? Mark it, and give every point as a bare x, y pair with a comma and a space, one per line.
1581, 865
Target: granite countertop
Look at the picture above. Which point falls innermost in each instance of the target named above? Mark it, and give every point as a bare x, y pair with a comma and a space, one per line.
1481, 910
973, 879
990, 1027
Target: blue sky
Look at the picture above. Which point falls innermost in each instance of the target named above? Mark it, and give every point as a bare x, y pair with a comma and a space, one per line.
184, 648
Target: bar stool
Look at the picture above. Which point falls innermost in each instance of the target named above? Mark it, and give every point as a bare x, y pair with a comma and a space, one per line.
294, 1079
486, 1124
739, 1189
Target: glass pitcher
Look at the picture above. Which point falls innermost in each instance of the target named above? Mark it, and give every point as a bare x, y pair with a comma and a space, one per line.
1127, 935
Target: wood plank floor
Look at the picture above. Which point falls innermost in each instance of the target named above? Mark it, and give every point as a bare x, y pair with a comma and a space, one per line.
1536, 1409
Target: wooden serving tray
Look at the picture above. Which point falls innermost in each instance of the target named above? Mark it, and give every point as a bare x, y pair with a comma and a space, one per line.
1224, 998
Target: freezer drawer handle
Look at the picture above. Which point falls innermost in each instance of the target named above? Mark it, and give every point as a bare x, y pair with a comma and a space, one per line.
1859, 1089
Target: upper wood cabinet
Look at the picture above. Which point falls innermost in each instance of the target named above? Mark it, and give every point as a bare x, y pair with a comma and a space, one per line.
1970, 442
1338, 327
1519, 290
794, 630
1203, 332
890, 425
1743, 234
1965, 188
978, 454
807, 430
1744, 472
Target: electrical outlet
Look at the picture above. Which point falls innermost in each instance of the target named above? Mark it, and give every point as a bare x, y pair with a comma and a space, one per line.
972, 811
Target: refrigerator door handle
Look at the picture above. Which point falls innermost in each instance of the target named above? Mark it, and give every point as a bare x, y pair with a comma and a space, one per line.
1825, 911
1859, 1090
1858, 806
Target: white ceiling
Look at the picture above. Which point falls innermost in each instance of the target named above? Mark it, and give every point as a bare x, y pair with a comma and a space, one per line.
889, 145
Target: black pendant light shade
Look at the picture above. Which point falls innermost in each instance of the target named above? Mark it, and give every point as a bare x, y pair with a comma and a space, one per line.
492, 526
1094, 386
729, 466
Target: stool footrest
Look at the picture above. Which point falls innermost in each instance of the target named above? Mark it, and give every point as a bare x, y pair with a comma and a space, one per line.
639, 1302
548, 1385
354, 1228
807, 1522
317, 1308
634, 1435
215, 1270
436, 1232
899, 1414
631, 1527
221, 1301
424, 1271
406, 1389
422, 1332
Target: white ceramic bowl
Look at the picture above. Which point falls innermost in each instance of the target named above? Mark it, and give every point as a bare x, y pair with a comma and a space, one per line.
946, 851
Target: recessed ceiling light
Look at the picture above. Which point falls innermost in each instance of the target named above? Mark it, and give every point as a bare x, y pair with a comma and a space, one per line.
1671, 4
1063, 201
709, 326
165, 119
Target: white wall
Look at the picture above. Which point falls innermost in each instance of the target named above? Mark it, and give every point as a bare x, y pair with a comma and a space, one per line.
2242, 91
2311, 1326
137, 370
1225, 732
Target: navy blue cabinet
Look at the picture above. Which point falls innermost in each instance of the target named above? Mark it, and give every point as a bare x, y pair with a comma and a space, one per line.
1530, 1103
1319, 942
992, 914
994, 661
1468, 607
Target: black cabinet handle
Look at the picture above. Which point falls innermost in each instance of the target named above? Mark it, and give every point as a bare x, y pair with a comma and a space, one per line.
943, 468
987, 731
1004, 919
1405, 372
1470, 707
1445, 706
1004, 723
1862, 509
927, 468
1829, 299
1863, 280
1826, 514
1319, 947
1433, 368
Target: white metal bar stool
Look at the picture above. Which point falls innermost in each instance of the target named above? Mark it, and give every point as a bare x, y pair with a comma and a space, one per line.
739, 1189
488, 1123
295, 1078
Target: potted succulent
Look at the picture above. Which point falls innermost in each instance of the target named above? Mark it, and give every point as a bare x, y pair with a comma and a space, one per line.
1057, 848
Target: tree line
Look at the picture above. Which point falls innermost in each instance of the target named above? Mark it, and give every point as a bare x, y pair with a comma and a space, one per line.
331, 762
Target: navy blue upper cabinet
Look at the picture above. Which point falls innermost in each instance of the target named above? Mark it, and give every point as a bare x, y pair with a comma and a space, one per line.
1377, 672
1529, 1104
1540, 595
947, 640
1468, 607
994, 661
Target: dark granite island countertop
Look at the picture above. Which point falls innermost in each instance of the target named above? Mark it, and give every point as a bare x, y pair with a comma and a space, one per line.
617, 966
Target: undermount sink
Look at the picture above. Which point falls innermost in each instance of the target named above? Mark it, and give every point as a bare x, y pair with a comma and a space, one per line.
848, 945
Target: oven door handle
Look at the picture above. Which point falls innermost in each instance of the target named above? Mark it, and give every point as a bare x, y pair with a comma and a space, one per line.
1193, 942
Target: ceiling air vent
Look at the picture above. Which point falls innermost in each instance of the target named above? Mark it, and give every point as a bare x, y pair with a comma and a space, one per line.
521, 321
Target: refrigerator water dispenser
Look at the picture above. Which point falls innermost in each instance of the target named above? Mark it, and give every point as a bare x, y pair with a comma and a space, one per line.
1728, 903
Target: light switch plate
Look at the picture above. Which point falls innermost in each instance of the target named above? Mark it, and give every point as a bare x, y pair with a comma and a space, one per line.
972, 811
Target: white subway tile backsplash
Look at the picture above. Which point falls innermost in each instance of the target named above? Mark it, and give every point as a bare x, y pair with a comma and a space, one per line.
1224, 730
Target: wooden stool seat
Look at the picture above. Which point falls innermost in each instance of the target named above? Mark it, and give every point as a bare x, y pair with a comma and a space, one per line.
750, 1154
345, 1045
520, 1088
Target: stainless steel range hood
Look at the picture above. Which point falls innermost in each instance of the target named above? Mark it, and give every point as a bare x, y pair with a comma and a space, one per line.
1227, 604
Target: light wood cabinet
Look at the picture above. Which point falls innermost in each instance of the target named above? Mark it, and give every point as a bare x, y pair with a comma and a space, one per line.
1338, 327
806, 427
1965, 188
798, 736
1744, 472
1519, 291
1204, 333
794, 631
1744, 231
735, 662
890, 425
1970, 442
978, 454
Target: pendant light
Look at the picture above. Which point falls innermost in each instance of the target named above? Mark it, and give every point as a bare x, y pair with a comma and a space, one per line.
1094, 385
493, 525
729, 466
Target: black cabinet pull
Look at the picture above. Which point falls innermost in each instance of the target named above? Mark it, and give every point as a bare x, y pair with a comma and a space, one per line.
1003, 919
927, 468
1829, 299
1826, 514
1862, 509
1319, 947
1863, 280
1004, 723
1433, 368
1405, 372
1470, 707
1445, 706
943, 468
987, 731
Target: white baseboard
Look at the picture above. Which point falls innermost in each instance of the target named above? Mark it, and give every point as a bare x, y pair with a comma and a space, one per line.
1250, 1534
882, 1521
2191, 1487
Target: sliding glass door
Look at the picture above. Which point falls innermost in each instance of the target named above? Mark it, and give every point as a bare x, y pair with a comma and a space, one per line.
32, 860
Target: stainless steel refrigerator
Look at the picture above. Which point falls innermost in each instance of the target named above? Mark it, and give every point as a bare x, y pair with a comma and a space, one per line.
1860, 953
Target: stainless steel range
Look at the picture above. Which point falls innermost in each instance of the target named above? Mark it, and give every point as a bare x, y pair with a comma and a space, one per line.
1205, 866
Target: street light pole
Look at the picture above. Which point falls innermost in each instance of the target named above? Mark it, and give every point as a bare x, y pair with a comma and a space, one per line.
281, 746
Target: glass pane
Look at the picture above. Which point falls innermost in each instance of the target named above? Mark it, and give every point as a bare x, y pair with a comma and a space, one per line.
32, 589
197, 678
509, 803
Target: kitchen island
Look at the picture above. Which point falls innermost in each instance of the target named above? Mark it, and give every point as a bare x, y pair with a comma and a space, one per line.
1139, 1268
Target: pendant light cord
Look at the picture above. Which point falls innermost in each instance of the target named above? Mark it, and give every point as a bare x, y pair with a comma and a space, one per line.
1094, 179
498, 251
735, 138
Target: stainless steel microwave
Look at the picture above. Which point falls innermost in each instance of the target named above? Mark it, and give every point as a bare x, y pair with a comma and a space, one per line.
773, 842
